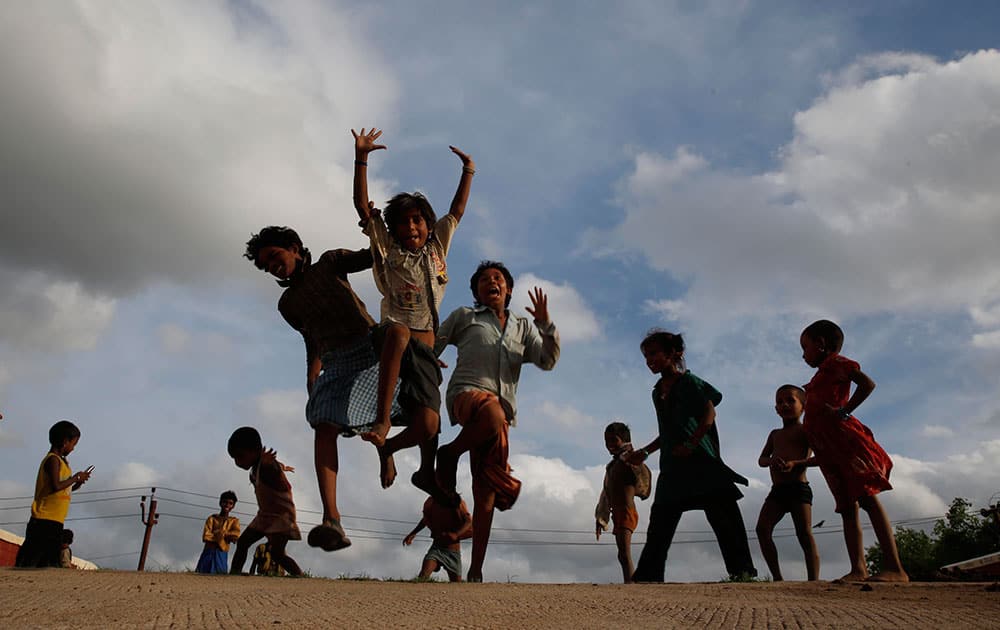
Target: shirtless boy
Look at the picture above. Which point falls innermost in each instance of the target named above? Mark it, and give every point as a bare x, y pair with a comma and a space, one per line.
787, 454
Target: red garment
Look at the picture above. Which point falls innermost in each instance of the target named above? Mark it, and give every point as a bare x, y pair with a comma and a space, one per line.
490, 469
852, 462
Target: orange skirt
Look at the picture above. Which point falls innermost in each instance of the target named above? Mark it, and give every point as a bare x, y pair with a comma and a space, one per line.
490, 468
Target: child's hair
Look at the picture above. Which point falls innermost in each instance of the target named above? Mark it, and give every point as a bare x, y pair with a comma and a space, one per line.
276, 236
244, 439
63, 431
491, 264
665, 341
228, 494
67, 537
404, 201
826, 331
620, 430
799, 392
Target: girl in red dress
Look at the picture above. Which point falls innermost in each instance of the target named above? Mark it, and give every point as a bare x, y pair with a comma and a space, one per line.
854, 465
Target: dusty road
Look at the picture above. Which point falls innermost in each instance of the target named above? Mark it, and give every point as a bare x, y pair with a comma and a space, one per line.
55, 598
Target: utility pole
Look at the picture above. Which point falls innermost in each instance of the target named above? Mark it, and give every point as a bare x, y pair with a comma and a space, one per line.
148, 522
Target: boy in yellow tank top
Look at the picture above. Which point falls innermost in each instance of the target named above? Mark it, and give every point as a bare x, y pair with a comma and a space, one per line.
43, 536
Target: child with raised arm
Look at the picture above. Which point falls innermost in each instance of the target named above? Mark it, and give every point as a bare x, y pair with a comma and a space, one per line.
855, 467
449, 525
786, 454
409, 249
622, 483
220, 530
53, 488
275, 518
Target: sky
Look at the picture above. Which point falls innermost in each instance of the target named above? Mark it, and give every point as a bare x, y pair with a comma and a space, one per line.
728, 170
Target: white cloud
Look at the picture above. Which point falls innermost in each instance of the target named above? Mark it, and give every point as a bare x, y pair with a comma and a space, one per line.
567, 308
990, 340
39, 312
936, 431
883, 201
670, 310
152, 139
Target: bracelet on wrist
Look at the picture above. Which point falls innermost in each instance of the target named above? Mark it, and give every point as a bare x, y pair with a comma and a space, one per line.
360, 163
468, 170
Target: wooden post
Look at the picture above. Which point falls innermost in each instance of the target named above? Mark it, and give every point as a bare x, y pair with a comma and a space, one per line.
149, 523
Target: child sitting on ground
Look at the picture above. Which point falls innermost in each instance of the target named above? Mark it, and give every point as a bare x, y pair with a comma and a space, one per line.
263, 563
220, 530
55, 481
65, 553
409, 250
855, 467
275, 509
786, 453
448, 526
622, 483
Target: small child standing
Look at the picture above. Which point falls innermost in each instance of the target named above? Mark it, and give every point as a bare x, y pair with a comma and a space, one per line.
786, 453
220, 530
448, 526
409, 249
275, 518
53, 487
855, 467
623, 482
65, 553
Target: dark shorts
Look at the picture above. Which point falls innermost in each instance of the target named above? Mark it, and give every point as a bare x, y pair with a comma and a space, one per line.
790, 495
419, 373
447, 559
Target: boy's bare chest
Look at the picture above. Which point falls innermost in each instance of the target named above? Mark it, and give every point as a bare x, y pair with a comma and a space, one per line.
791, 443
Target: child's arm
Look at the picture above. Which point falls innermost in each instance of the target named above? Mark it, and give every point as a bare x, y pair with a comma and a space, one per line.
75, 481
689, 445
364, 143
413, 534
208, 534
464, 531
462, 194
764, 461
542, 345
233, 533
864, 386
639, 456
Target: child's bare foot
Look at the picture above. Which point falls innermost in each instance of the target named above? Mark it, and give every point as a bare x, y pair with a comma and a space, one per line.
889, 576
853, 576
387, 468
377, 434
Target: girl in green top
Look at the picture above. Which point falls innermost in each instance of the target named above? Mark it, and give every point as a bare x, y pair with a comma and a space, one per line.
692, 474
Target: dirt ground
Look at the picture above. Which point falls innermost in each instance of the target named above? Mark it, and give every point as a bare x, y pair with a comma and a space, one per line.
59, 598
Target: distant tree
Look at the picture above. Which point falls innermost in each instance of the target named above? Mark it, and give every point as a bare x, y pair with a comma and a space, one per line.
960, 535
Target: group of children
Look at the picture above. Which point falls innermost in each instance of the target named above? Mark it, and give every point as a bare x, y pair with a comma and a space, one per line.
362, 378
693, 477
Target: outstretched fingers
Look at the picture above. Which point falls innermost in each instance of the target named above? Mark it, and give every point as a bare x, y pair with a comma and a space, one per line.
365, 141
540, 302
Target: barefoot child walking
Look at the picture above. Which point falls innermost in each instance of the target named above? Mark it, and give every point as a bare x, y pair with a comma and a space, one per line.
275, 518
409, 249
855, 467
220, 530
622, 483
449, 525
53, 488
786, 454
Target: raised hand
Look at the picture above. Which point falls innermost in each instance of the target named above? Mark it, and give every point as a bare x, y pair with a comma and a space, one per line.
467, 162
287, 468
364, 143
540, 302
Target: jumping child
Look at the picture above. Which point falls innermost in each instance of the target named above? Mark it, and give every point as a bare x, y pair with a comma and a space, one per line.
220, 530
53, 487
786, 453
622, 483
855, 467
448, 526
275, 509
409, 249
341, 364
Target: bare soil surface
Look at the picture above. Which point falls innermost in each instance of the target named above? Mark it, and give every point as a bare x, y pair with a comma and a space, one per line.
60, 598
